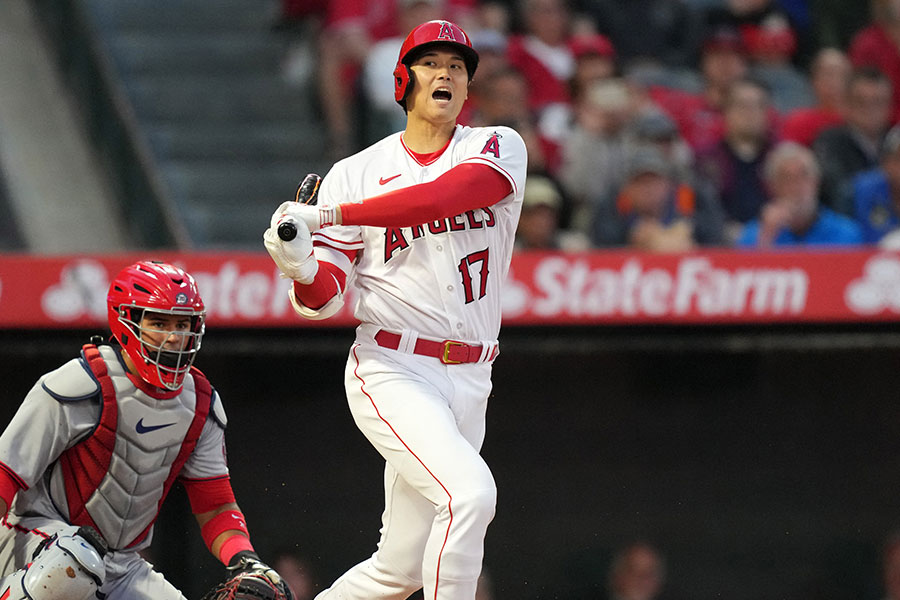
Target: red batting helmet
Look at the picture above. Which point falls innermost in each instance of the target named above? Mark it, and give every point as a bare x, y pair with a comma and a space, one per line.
423, 36
158, 288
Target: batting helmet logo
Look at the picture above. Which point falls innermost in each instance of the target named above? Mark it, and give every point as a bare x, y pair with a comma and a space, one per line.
446, 32
423, 36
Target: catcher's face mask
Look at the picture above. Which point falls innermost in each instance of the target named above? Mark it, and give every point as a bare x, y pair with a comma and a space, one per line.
156, 314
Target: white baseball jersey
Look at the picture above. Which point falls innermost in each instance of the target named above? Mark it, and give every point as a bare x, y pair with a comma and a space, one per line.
119, 489
441, 279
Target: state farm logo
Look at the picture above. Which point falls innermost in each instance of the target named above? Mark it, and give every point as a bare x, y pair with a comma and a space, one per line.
229, 293
81, 291
692, 287
878, 289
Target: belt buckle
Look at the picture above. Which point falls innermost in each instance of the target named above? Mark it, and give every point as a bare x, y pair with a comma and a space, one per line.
445, 355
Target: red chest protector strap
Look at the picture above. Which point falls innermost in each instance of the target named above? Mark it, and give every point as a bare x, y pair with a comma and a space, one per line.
86, 464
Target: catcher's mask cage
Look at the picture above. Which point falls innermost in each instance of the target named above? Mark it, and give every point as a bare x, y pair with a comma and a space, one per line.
419, 39
154, 287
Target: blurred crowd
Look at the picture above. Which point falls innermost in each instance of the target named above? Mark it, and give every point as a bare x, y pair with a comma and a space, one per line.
662, 125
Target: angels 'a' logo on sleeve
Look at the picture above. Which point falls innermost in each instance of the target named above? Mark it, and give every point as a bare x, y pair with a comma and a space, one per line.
493, 145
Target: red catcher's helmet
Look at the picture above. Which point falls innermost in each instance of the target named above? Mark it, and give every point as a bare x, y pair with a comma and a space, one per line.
159, 288
423, 36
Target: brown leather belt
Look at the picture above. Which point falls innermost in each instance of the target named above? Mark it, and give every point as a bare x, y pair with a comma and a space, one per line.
449, 352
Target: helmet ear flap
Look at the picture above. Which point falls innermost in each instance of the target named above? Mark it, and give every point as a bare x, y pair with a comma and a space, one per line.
403, 83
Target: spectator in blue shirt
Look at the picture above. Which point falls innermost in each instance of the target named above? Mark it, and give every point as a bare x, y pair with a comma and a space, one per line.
876, 193
793, 214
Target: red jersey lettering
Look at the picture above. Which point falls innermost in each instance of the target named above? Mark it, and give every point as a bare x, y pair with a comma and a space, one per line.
393, 241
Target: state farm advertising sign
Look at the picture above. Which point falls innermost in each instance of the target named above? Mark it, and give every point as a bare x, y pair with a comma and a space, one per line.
602, 287
709, 287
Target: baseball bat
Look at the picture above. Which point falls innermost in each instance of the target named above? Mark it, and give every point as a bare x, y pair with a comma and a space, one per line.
306, 194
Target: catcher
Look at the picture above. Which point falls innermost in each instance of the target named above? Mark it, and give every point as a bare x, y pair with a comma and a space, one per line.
88, 458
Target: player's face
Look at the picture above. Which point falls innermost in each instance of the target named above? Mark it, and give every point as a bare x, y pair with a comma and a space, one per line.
441, 85
165, 331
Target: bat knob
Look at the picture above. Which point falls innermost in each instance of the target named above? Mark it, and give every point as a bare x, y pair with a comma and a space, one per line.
287, 231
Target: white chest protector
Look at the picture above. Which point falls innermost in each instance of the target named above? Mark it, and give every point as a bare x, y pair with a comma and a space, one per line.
116, 476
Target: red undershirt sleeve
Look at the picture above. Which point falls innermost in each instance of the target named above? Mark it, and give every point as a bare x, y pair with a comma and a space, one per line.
208, 494
464, 187
323, 288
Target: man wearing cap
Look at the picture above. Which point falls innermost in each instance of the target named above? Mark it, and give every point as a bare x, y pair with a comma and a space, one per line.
653, 211
595, 60
539, 222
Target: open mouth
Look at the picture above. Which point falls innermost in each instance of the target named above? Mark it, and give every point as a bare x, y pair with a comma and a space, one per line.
442, 94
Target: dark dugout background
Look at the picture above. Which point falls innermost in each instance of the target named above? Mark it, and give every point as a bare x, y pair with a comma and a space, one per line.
763, 463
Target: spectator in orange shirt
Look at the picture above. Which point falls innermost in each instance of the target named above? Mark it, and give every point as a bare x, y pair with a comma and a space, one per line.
654, 211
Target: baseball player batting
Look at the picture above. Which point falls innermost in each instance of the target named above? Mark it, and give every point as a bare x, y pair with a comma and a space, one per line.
422, 224
90, 455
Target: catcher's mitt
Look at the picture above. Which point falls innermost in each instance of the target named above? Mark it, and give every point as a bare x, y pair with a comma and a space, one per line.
246, 586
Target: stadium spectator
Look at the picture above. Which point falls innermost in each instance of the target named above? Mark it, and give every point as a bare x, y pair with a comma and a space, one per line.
654, 211
829, 73
699, 115
637, 572
733, 166
652, 127
878, 46
542, 52
538, 227
595, 60
793, 215
876, 193
593, 162
771, 57
853, 147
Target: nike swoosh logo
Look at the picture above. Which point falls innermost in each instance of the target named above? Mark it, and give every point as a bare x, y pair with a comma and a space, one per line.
384, 180
141, 428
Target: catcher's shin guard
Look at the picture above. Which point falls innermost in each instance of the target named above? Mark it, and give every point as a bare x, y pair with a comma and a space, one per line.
67, 566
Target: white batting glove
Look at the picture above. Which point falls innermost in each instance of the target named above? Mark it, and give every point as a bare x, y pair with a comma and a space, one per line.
295, 258
315, 217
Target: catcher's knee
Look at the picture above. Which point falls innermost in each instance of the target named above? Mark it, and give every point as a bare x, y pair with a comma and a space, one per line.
67, 566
